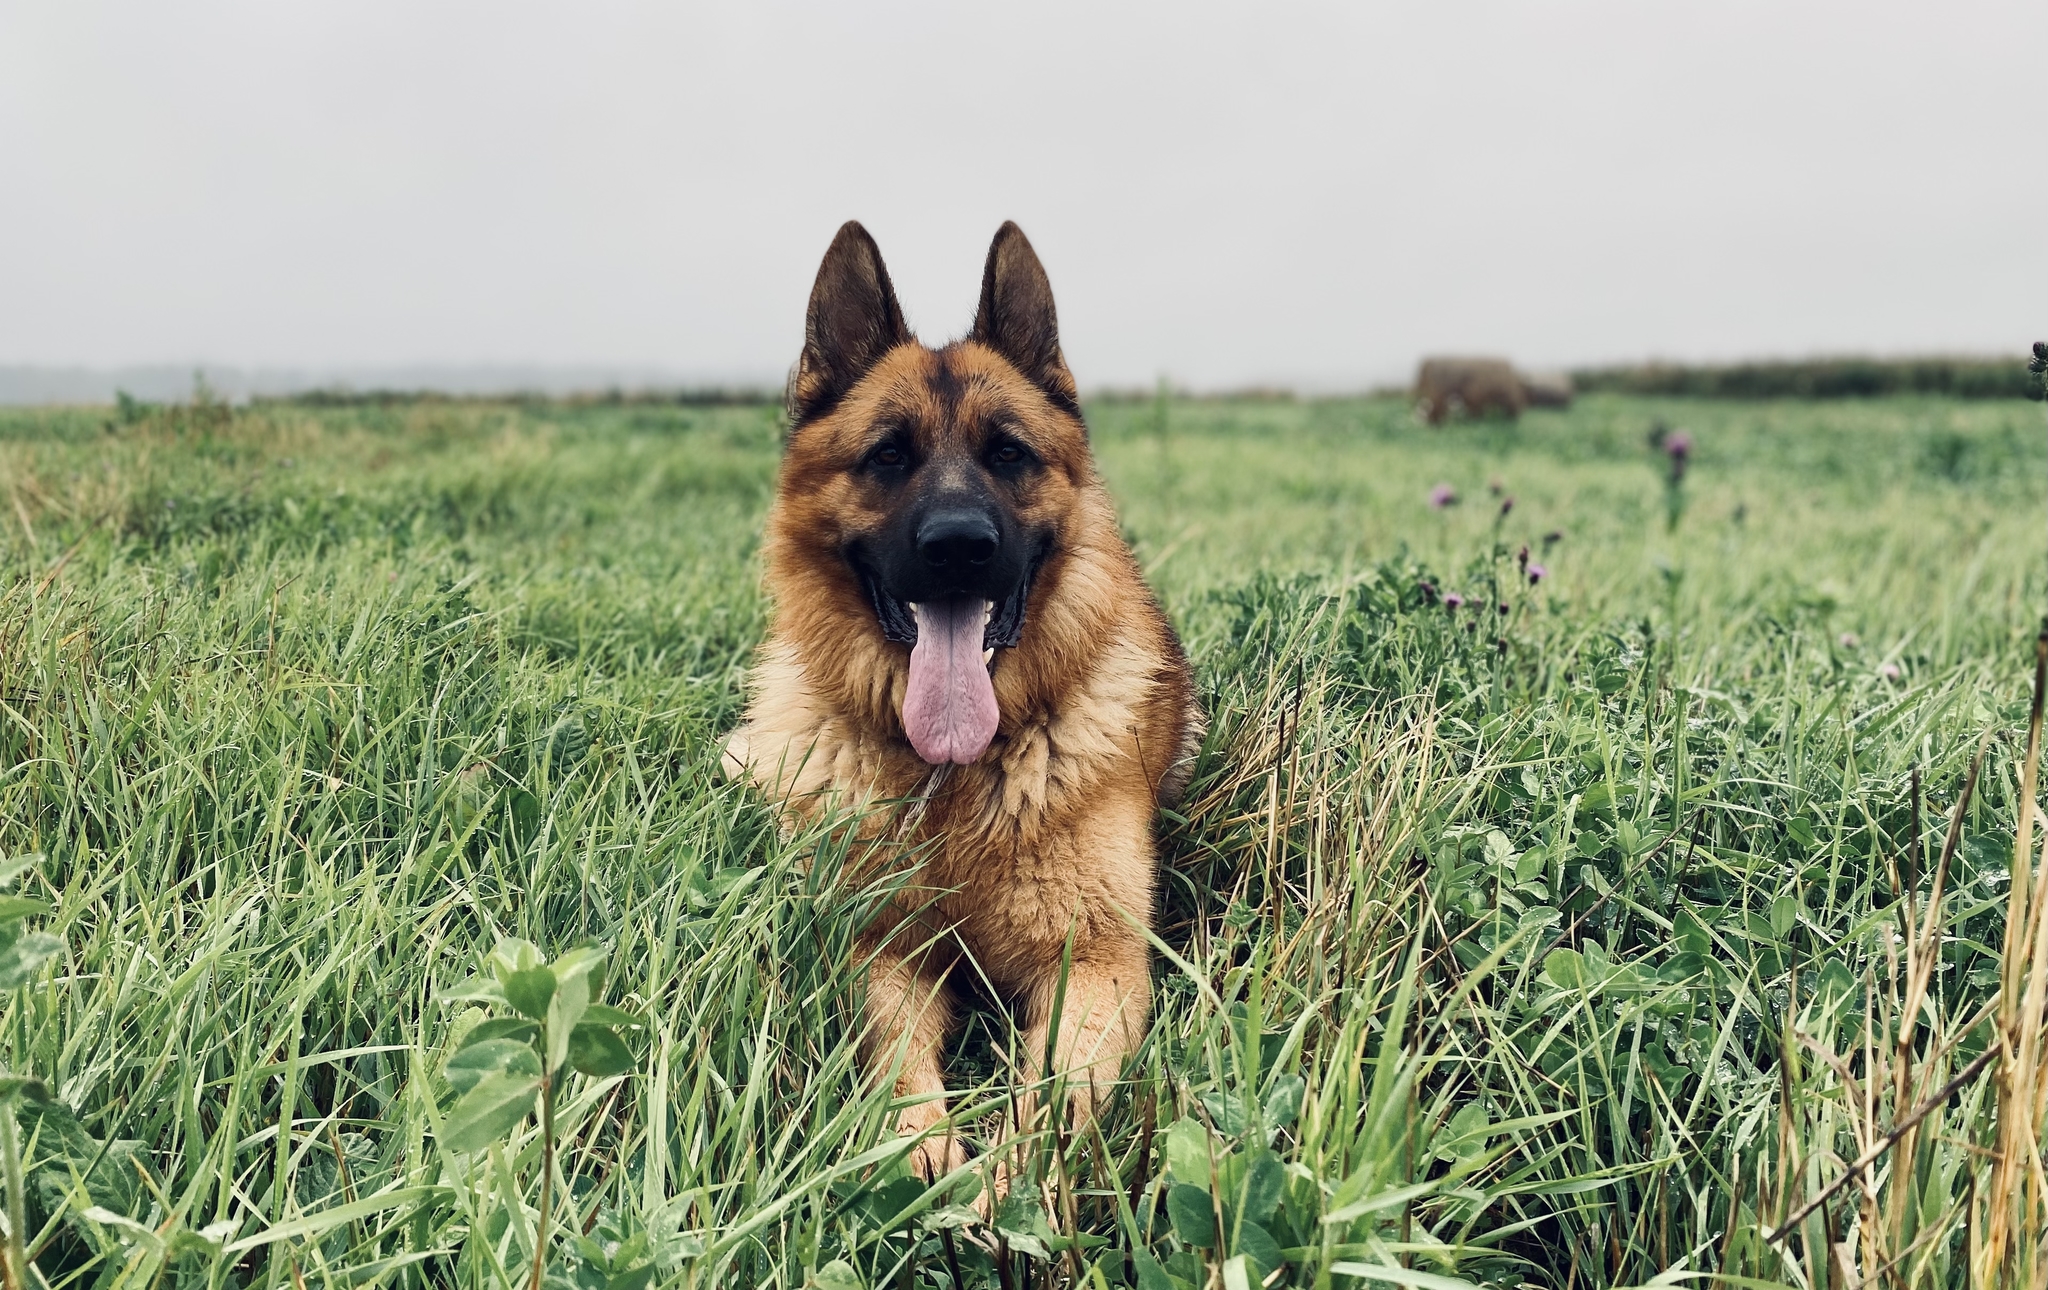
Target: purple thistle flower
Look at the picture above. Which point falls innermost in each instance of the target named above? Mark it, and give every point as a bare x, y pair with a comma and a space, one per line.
1850, 640
1537, 573
1452, 600
1522, 558
1889, 671
1441, 496
1678, 447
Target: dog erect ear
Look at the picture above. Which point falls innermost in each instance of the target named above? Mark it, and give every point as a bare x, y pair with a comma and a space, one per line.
853, 320
1016, 317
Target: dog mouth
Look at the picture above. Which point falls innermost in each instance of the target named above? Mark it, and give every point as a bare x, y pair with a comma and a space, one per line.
949, 705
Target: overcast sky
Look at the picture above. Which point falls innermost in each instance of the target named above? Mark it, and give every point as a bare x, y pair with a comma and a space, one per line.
1224, 195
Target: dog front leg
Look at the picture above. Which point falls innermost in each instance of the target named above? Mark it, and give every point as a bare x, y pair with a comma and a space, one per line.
907, 1010
1102, 1013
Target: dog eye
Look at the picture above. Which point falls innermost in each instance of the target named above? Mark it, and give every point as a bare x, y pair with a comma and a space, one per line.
1008, 454
888, 455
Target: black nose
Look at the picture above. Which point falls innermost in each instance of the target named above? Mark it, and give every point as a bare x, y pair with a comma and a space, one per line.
956, 539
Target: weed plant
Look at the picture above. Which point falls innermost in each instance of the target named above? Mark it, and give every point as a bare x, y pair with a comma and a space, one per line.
1572, 888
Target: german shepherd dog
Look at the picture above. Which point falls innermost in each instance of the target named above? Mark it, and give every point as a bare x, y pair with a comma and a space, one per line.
961, 639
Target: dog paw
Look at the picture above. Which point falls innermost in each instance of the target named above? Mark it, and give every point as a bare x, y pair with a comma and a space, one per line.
732, 759
995, 1191
936, 1157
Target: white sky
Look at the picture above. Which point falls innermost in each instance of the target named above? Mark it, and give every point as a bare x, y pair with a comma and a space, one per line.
1223, 194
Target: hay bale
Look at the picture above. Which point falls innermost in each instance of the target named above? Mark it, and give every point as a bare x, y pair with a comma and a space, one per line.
1548, 389
1468, 387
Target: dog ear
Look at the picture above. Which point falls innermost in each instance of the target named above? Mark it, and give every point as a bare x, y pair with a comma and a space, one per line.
1016, 317
853, 320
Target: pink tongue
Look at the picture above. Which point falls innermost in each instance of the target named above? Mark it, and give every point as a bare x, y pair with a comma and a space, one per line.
949, 709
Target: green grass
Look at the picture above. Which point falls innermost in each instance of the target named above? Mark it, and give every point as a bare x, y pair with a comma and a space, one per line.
1553, 945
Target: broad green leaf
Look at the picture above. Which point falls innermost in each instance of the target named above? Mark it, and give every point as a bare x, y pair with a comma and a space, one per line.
1236, 1276
1784, 915
1193, 1214
489, 1111
630, 1251
19, 961
565, 1010
584, 960
1255, 1242
127, 1229
1466, 1133
531, 990
632, 1278
1265, 1178
591, 1251
947, 1216
1151, 1276
1836, 981
836, 1275
501, 1028
515, 955
603, 1015
1682, 967
13, 907
1022, 1224
525, 809
568, 742
1626, 837
1226, 1110
15, 866
1565, 968
1187, 1151
1283, 1100
595, 1050
1691, 933
1498, 849
205, 1241
24, 1086
881, 1207
479, 1061
478, 989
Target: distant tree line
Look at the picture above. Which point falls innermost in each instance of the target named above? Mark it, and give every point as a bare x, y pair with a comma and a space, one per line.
713, 397
1820, 378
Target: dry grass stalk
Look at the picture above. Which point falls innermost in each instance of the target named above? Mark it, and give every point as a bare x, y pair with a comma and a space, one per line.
2013, 1250
1889, 1237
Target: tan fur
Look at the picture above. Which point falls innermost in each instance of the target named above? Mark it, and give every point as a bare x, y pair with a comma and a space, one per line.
1049, 834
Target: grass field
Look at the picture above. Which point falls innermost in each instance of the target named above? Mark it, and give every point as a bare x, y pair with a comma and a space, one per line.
1574, 936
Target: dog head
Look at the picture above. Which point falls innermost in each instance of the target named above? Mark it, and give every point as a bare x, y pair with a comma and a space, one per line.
934, 483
